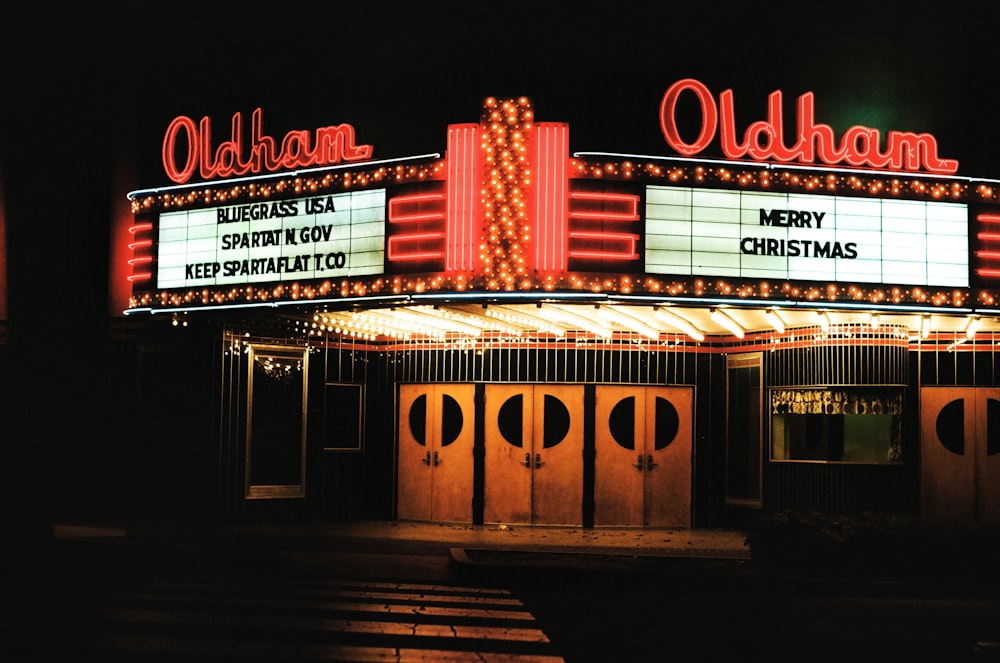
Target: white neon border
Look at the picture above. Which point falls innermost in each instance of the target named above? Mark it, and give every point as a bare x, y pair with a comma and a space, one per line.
291, 173
778, 166
569, 297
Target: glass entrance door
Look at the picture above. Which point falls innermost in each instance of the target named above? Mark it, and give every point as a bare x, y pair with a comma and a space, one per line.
743, 429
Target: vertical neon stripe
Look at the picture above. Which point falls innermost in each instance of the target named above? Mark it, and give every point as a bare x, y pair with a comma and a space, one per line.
462, 225
551, 208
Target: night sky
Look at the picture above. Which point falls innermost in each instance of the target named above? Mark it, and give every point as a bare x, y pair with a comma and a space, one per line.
401, 75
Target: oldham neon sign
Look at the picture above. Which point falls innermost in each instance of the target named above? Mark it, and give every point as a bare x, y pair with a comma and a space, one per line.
231, 158
763, 140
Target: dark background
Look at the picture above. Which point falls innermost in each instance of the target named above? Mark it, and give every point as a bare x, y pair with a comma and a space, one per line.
88, 90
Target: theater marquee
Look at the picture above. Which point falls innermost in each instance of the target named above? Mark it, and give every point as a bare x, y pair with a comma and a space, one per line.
756, 234
875, 216
289, 240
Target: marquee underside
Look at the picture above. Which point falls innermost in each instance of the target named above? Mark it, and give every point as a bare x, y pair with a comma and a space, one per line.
638, 322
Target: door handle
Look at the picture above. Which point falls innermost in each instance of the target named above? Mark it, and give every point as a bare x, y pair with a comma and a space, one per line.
436, 461
638, 462
527, 460
427, 458
649, 462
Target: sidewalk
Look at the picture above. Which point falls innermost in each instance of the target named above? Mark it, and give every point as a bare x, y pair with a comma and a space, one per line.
701, 554
493, 544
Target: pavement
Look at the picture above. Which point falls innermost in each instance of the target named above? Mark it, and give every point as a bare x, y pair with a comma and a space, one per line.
467, 545
717, 557
417, 548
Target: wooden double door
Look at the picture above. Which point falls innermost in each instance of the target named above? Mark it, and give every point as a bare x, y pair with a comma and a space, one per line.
436, 431
534, 454
552, 454
643, 456
960, 454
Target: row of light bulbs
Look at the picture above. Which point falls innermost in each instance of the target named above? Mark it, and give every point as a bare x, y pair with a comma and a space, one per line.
555, 320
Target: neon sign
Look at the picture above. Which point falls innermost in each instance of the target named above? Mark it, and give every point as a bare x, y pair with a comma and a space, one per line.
298, 149
763, 140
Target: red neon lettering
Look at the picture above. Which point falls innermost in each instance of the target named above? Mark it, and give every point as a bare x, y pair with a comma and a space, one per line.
812, 134
170, 149
708, 116
763, 140
299, 149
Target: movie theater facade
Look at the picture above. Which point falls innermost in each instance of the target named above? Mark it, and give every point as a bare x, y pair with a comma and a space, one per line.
514, 333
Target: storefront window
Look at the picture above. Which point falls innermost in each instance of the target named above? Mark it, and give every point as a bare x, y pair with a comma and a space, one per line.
847, 425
